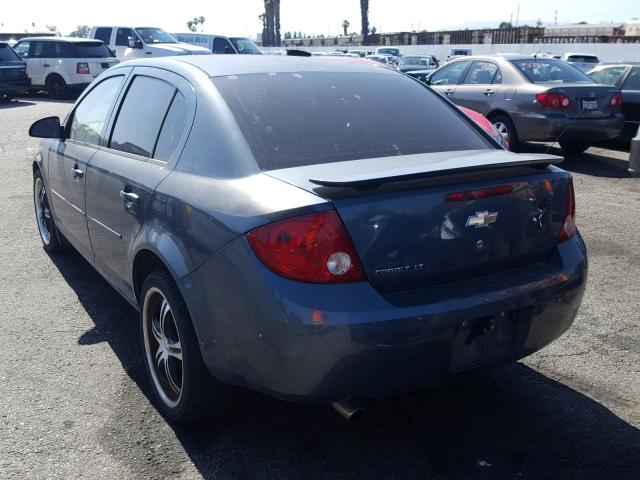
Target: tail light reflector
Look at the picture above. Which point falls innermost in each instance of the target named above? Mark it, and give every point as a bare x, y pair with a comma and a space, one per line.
312, 248
478, 193
616, 101
82, 68
568, 227
553, 100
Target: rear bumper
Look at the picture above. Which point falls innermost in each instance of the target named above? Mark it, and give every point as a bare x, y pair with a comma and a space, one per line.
14, 87
634, 156
547, 128
257, 329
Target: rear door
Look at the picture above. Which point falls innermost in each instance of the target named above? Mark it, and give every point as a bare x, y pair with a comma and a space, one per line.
146, 137
631, 98
85, 130
480, 86
445, 80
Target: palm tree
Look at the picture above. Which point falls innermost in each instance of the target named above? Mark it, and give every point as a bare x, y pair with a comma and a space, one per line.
345, 25
276, 15
364, 17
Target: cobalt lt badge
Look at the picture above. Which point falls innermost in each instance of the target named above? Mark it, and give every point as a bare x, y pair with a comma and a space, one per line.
482, 219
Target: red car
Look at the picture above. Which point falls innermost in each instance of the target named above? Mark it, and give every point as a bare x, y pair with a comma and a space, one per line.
486, 125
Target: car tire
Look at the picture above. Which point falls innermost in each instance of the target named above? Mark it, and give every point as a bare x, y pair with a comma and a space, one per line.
574, 147
503, 124
52, 240
182, 386
56, 87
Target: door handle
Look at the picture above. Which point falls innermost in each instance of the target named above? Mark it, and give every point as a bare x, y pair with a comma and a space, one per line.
46, 65
448, 92
488, 92
130, 197
77, 173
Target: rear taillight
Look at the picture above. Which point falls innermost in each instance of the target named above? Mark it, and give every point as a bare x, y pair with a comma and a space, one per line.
312, 248
82, 68
568, 227
553, 100
616, 101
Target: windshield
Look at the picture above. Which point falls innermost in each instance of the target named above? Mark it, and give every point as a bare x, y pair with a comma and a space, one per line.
415, 61
389, 51
7, 54
245, 46
546, 70
155, 35
296, 119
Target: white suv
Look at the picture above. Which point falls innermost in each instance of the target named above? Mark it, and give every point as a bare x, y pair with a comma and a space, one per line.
63, 65
129, 42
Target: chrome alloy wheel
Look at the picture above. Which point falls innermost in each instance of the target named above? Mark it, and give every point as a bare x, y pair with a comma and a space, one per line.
503, 130
162, 347
43, 212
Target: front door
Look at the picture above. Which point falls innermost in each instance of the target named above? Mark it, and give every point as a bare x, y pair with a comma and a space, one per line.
479, 87
69, 158
445, 80
631, 100
122, 49
121, 179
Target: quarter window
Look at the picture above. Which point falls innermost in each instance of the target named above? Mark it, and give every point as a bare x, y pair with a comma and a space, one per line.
449, 75
171, 129
141, 114
90, 116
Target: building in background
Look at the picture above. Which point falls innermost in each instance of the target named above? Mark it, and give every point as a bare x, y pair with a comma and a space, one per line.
14, 32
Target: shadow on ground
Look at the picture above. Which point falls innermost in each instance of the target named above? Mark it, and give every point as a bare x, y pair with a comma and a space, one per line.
588, 163
510, 423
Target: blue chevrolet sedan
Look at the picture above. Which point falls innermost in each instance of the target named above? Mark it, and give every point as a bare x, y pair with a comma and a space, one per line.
318, 229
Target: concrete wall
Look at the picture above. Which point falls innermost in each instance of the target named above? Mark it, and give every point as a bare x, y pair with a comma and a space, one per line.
607, 52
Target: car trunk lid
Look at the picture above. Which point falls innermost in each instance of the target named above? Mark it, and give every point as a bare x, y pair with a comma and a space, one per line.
587, 100
414, 222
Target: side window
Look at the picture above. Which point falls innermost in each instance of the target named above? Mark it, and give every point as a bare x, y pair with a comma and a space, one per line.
222, 45
633, 80
22, 49
608, 76
122, 37
449, 75
42, 50
103, 34
90, 116
63, 50
141, 115
481, 73
171, 129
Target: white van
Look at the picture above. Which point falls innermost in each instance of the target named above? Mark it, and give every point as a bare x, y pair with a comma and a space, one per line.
220, 43
62, 66
137, 42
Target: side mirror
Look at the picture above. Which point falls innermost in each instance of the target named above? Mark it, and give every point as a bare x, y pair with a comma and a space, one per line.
134, 42
48, 127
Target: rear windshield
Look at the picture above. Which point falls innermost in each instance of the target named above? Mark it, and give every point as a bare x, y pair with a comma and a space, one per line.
547, 70
389, 51
296, 119
7, 54
583, 59
91, 50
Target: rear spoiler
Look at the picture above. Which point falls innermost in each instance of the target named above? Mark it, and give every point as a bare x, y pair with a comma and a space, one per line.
371, 172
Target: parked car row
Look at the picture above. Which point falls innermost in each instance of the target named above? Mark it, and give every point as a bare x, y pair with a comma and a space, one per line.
530, 98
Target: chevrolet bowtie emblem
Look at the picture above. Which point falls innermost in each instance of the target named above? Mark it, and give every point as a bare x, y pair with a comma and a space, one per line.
482, 219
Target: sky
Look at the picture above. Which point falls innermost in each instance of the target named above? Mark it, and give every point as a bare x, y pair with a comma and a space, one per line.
240, 17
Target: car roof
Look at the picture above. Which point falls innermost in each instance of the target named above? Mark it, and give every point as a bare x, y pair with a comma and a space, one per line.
60, 39
223, 65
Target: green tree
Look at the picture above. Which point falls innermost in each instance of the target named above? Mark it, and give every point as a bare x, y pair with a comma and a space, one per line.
192, 24
505, 25
81, 31
345, 26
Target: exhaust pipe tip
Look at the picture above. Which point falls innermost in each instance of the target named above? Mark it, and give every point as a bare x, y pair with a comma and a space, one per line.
350, 410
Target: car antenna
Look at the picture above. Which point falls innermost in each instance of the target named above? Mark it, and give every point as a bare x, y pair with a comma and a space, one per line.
535, 55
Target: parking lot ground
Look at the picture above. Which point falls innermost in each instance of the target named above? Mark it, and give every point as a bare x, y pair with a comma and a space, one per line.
74, 402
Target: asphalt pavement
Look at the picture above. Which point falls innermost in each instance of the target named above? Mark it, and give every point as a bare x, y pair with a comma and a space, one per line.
75, 403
